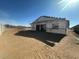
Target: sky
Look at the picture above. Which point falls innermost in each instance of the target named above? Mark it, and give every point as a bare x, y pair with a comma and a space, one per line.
24, 12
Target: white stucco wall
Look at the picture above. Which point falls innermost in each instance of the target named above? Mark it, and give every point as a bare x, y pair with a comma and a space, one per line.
60, 31
49, 24
62, 25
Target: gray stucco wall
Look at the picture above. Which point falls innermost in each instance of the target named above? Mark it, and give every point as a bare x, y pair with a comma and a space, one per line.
60, 31
63, 25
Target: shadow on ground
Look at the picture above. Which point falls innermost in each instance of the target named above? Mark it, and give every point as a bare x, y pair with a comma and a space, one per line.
47, 38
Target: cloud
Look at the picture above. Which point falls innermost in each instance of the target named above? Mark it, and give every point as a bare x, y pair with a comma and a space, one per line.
8, 21
3, 14
5, 18
2, 22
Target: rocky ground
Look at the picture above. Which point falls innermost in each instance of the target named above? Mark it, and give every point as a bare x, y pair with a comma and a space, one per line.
19, 47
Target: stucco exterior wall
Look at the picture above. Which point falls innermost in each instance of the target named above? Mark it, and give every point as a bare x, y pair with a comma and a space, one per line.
62, 24
62, 27
60, 31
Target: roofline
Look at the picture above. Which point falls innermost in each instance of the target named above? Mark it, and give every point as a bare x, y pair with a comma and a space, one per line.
49, 17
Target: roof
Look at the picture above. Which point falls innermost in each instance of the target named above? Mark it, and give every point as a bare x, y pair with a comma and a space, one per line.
47, 18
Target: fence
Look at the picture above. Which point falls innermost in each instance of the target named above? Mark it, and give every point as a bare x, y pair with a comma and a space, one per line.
2, 28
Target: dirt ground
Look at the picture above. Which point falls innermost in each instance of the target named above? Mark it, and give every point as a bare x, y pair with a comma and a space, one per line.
24, 47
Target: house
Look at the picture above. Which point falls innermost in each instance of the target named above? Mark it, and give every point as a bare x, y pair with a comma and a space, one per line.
50, 24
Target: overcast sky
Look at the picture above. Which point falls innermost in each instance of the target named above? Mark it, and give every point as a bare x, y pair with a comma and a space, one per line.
23, 12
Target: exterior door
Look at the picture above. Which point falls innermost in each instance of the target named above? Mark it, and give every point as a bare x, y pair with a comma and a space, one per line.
37, 27
43, 28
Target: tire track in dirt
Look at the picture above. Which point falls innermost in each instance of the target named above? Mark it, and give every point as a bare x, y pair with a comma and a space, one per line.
18, 47
24, 48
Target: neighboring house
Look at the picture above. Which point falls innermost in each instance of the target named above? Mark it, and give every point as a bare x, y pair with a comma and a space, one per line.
51, 24
76, 29
2, 28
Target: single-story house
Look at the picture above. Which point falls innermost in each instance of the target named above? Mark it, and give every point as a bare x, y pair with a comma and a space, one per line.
50, 24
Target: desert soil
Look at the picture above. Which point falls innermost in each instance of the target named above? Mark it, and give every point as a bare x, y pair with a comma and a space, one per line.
19, 47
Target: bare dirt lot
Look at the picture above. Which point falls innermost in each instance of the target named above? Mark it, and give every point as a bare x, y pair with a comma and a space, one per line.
19, 44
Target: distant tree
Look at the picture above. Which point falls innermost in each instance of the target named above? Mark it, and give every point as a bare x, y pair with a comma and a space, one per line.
9, 26
76, 29
21, 27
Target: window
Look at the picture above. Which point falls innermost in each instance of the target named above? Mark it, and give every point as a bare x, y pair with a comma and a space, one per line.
55, 26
